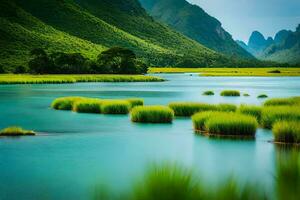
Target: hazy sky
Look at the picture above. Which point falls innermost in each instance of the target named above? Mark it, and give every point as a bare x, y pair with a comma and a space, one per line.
241, 17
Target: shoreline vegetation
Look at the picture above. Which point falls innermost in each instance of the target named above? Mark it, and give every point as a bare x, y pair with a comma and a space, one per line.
14, 131
226, 71
68, 78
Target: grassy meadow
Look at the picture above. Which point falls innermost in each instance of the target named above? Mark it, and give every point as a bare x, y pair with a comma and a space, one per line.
231, 71
60, 79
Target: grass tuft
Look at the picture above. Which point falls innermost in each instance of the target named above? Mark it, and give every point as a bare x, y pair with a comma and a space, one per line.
283, 101
231, 93
254, 111
187, 109
135, 102
225, 107
115, 107
246, 95
208, 93
287, 132
152, 114
88, 106
65, 103
273, 114
262, 96
16, 131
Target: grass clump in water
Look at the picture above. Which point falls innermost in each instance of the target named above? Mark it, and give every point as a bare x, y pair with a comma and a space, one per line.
225, 107
65, 103
273, 114
135, 102
152, 114
115, 107
187, 109
16, 131
88, 106
231, 93
225, 124
208, 93
246, 95
254, 111
262, 96
287, 132
283, 101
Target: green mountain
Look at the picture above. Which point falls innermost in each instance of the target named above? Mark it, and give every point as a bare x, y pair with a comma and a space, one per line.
194, 22
91, 26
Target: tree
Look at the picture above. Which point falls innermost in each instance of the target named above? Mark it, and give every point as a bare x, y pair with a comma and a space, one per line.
40, 63
20, 69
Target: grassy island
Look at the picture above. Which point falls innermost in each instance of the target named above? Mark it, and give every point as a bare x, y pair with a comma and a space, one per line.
16, 131
254, 111
287, 132
262, 96
152, 114
208, 93
230, 93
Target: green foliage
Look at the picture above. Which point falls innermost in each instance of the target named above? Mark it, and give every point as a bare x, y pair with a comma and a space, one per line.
273, 114
208, 93
186, 109
262, 96
200, 118
115, 107
283, 101
233, 93
15, 131
152, 114
135, 102
254, 111
60, 79
287, 132
225, 107
88, 106
65, 103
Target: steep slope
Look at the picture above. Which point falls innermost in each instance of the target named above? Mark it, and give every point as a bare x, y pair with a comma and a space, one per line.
20, 32
194, 22
122, 23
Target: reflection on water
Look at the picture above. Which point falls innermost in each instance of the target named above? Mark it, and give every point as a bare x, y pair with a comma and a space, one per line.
88, 148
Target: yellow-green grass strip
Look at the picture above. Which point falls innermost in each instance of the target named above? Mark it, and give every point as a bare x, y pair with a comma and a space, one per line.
230, 71
187, 109
16, 131
273, 114
115, 107
286, 132
152, 114
230, 93
65, 103
60, 79
88, 106
135, 102
283, 101
251, 110
226, 107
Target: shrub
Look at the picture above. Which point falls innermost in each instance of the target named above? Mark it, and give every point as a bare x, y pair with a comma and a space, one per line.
231, 124
272, 114
88, 106
208, 93
232, 93
152, 114
227, 107
135, 102
283, 101
187, 109
115, 107
287, 131
262, 96
65, 103
254, 111
16, 131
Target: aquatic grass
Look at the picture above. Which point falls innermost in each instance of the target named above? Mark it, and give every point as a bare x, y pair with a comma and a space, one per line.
152, 114
16, 131
291, 101
262, 96
88, 106
135, 102
61, 79
187, 109
200, 118
225, 107
231, 93
252, 110
246, 95
208, 93
231, 124
65, 103
115, 107
287, 132
273, 114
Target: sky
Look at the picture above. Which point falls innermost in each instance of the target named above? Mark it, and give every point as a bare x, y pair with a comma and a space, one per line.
241, 17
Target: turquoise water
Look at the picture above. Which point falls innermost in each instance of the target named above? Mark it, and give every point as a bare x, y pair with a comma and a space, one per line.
75, 152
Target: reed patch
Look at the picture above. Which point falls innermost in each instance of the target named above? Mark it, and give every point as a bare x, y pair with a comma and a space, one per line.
152, 114
16, 131
230, 93
251, 110
292, 101
286, 132
115, 107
